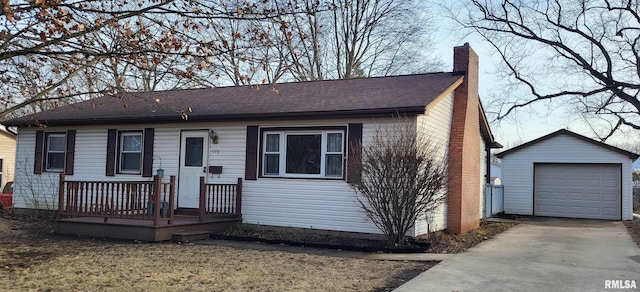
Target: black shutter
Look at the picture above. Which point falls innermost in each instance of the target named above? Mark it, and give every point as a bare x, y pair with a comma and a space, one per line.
251, 159
38, 157
70, 152
111, 152
147, 156
354, 158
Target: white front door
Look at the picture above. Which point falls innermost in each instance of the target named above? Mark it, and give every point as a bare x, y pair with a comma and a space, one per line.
193, 161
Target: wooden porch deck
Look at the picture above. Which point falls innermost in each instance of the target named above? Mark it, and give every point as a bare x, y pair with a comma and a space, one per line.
128, 210
143, 230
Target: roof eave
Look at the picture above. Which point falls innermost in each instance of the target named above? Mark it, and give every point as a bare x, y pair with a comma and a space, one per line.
485, 129
381, 112
631, 155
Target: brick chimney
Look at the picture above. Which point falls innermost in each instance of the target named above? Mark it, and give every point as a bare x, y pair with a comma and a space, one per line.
463, 208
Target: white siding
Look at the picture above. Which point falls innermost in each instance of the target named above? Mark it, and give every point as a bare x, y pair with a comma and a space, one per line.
517, 170
29, 190
306, 203
435, 125
8, 156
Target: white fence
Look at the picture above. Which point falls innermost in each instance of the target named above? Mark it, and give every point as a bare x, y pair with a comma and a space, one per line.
493, 200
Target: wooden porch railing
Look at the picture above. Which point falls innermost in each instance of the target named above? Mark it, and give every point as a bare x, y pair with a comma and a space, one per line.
122, 199
220, 199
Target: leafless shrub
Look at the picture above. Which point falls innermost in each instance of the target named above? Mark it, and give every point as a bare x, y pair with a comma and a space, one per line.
402, 179
38, 192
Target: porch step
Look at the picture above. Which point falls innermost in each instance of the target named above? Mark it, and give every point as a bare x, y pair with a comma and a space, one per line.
194, 235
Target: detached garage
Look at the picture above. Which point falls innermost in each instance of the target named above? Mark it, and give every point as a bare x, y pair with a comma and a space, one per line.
565, 174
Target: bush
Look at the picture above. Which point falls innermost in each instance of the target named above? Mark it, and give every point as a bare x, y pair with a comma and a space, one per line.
402, 179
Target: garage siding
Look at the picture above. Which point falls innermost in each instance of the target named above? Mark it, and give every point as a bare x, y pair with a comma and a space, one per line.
518, 170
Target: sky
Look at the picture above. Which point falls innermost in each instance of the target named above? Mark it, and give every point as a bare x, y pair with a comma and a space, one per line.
530, 124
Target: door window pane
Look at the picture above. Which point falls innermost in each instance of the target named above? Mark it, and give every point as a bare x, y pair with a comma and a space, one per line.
303, 154
193, 151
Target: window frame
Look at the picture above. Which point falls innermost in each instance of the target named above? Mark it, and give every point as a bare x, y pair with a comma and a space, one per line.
47, 136
120, 151
282, 151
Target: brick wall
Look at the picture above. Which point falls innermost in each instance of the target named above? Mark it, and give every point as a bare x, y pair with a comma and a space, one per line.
464, 146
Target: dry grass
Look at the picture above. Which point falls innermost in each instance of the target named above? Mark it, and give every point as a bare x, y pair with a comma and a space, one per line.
33, 258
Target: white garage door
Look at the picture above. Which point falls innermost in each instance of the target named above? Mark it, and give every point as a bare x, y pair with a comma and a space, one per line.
578, 190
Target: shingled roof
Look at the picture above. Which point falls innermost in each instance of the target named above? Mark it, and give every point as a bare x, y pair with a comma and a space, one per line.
408, 94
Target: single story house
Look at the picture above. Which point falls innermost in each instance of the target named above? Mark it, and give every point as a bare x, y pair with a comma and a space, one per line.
564, 174
7, 155
289, 142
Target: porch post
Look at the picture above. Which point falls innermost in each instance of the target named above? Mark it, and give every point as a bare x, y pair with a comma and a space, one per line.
201, 206
158, 200
239, 197
172, 195
61, 195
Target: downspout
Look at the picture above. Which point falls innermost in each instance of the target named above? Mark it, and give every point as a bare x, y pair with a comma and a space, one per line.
487, 178
487, 148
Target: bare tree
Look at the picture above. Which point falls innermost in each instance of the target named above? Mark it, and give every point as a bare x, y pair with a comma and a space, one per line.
580, 54
377, 37
57, 52
75, 50
402, 179
341, 39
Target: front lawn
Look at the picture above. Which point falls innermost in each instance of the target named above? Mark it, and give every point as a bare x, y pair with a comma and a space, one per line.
33, 258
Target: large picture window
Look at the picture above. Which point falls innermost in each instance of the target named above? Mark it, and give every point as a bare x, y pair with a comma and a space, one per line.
130, 152
311, 154
55, 152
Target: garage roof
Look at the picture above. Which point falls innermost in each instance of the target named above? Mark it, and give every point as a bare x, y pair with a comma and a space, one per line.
631, 155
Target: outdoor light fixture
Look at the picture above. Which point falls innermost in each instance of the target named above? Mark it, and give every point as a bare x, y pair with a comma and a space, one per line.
159, 171
213, 136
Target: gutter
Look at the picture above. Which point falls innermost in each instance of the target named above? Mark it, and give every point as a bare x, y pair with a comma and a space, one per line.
8, 130
175, 118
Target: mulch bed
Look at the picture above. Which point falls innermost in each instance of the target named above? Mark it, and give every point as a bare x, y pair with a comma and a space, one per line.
633, 227
440, 242
329, 242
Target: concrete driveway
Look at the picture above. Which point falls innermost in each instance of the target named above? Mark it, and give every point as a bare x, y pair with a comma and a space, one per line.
546, 255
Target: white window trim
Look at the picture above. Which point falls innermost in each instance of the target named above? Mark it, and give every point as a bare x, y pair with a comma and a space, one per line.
46, 154
283, 153
121, 136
